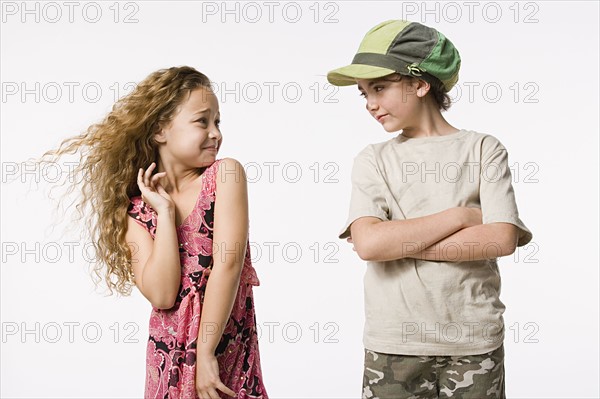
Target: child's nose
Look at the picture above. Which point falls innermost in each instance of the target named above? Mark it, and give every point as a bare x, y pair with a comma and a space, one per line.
215, 133
371, 104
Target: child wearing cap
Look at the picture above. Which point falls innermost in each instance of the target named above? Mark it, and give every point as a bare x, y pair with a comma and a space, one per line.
431, 210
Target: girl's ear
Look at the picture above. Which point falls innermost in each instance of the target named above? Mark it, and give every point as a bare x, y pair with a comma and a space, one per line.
159, 137
159, 134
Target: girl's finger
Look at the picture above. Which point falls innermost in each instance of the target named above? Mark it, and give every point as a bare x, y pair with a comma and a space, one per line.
160, 189
148, 174
223, 388
156, 178
140, 178
159, 174
213, 394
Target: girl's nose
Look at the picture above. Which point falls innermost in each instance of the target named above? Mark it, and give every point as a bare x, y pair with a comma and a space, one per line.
215, 134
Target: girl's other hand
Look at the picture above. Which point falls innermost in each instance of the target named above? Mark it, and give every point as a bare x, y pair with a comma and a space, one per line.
207, 378
153, 192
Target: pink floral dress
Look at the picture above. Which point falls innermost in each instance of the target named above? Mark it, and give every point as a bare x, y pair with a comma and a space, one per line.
171, 350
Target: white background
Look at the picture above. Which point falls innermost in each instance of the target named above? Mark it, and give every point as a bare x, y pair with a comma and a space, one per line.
542, 56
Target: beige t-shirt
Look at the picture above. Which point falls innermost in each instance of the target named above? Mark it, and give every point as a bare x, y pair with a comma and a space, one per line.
420, 307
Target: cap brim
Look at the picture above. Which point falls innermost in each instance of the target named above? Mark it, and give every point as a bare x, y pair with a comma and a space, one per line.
346, 76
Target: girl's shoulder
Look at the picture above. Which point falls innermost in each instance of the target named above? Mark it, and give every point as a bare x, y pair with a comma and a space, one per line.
226, 169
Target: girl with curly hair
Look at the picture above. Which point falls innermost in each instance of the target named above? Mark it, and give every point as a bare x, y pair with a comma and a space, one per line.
166, 216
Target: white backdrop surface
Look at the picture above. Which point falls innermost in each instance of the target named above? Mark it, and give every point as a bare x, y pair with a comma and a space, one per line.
529, 77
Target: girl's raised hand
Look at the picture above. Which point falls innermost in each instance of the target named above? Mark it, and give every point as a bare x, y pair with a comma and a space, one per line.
153, 192
207, 378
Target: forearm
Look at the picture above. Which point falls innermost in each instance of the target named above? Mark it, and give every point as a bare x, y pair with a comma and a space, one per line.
396, 239
219, 298
484, 241
162, 272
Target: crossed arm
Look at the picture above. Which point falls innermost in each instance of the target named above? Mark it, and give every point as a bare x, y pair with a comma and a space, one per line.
452, 235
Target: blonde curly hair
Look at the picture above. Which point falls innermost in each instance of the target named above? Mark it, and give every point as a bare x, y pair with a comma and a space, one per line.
111, 153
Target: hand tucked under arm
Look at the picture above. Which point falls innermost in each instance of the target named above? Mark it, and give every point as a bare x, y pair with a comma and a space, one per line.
484, 241
377, 240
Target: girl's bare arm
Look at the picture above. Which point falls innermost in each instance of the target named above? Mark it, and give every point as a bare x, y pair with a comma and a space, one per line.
230, 236
156, 263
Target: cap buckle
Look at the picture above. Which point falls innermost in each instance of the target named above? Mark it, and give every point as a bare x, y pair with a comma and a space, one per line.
415, 70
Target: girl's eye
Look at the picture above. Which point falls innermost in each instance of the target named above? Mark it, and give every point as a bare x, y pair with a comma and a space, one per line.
377, 88
218, 122
363, 94
202, 120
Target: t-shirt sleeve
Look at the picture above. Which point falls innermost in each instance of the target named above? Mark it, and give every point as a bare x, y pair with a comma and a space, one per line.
368, 191
497, 196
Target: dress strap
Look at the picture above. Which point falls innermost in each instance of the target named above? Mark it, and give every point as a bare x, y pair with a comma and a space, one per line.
142, 213
210, 176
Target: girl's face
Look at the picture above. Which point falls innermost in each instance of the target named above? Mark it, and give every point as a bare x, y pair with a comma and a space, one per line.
394, 104
193, 137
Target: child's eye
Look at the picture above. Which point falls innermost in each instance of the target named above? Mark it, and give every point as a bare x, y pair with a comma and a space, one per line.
218, 122
202, 120
363, 94
377, 88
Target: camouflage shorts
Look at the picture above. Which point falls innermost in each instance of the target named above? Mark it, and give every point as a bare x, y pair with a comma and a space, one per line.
398, 376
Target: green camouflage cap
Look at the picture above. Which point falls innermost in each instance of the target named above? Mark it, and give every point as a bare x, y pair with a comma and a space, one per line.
404, 47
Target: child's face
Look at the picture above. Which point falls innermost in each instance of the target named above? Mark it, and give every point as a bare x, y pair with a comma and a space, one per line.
193, 136
394, 104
